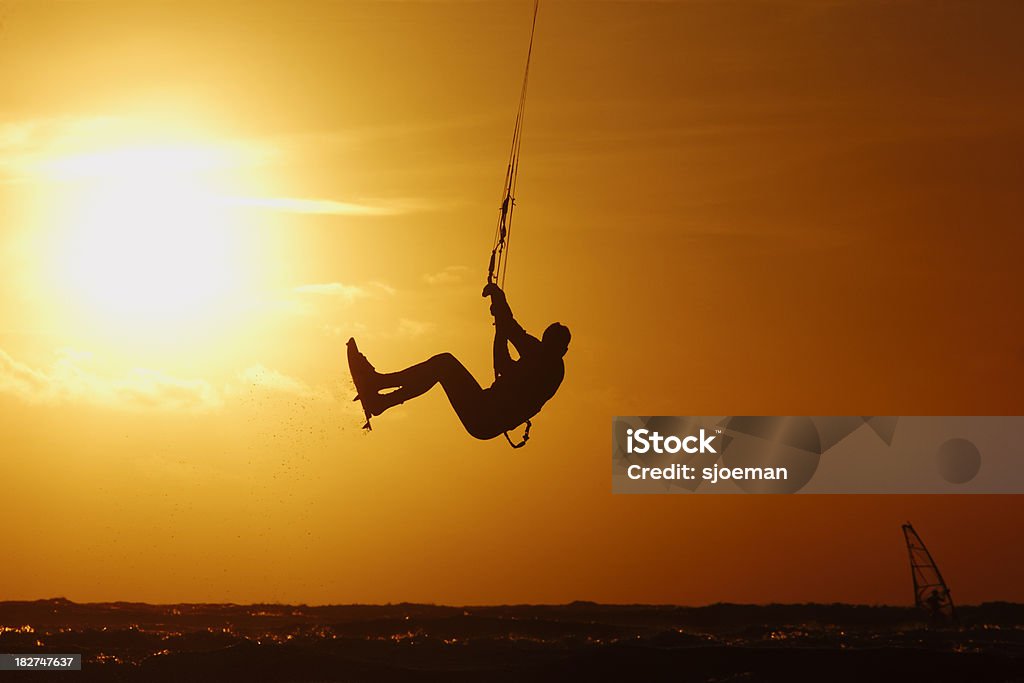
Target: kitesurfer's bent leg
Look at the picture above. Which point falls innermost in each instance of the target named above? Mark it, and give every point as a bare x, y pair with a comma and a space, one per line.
468, 398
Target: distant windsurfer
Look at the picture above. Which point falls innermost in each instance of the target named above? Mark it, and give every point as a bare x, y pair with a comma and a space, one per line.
936, 603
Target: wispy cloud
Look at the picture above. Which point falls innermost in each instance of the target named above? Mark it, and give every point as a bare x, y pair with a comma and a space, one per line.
111, 148
413, 328
42, 134
452, 275
97, 147
70, 380
333, 207
334, 289
346, 292
384, 288
402, 329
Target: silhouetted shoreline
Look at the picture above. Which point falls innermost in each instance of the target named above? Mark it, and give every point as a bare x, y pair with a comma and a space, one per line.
128, 641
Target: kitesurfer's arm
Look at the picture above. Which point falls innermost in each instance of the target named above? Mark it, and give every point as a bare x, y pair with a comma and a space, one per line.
505, 324
503, 362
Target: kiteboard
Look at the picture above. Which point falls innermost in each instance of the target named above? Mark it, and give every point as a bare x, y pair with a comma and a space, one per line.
362, 376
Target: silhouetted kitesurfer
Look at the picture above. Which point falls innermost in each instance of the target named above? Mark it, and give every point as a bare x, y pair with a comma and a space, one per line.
521, 387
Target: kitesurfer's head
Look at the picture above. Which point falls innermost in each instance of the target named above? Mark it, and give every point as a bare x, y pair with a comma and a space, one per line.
556, 338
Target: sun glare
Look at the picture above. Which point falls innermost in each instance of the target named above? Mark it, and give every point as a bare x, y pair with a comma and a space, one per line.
148, 237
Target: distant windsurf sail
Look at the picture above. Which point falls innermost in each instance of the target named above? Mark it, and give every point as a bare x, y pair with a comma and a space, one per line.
930, 591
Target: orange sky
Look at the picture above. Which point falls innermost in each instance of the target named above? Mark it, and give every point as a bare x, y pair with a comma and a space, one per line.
779, 207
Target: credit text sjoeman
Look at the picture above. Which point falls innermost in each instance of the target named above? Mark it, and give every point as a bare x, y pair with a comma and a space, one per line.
643, 441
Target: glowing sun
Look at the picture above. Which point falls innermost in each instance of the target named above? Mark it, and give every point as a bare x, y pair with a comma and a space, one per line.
148, 238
